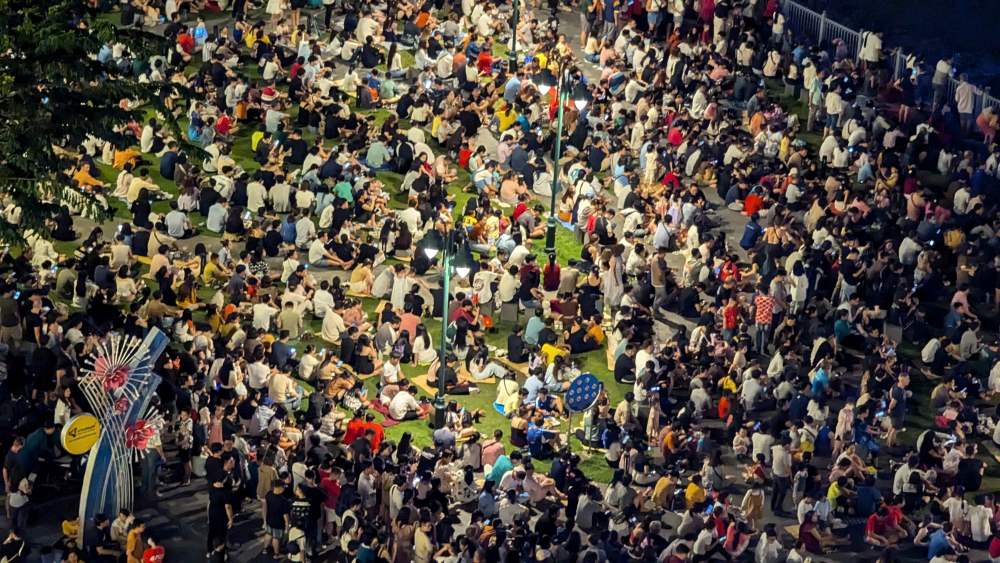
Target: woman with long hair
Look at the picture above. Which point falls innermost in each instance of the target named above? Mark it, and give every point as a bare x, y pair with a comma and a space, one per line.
423, 347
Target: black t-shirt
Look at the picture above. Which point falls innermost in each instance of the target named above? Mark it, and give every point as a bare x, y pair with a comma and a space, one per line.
969, 475
272, 243
214, 472
278, 506
299, 149
13, 467
625, 368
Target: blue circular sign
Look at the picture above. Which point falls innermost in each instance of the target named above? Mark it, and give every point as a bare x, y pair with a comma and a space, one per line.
582, 392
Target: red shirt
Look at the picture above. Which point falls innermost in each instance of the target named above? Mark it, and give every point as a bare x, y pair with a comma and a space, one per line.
332, 488
521, 208
153, 555
186, 41
765, 309
463, 158
355, 429
752, 204
876, 524
730, 317
379, 434
550, 277
485, 62
223, 125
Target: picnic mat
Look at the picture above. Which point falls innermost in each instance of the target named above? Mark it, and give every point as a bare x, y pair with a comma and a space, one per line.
387, 421
421, 382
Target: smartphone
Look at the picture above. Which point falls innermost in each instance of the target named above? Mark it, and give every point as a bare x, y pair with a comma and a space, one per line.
293, 351
17, 294
756, 427
246, 216
307, 266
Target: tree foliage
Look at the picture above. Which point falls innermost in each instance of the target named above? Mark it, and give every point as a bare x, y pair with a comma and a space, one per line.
53, 93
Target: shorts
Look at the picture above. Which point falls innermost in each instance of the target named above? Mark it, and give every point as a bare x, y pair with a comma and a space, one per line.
184, 454
832, 119
276, 533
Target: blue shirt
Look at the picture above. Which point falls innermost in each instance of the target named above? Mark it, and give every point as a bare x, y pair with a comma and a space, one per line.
531, 330
510, 89
502, 465
751, 232
938, 544
820, 382
532, 385
288, 231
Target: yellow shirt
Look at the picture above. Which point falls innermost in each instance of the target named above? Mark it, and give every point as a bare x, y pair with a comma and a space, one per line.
255, 138
727, 384
506, 119
833, 493
212, 272
694, 494
550, 352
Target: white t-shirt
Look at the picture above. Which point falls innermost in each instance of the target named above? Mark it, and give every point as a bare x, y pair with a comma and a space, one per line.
402, 402
262, 315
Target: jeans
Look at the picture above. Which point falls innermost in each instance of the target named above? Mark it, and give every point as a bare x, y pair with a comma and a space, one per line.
761, 338
491, 369
660, 298
781, 487
150, 469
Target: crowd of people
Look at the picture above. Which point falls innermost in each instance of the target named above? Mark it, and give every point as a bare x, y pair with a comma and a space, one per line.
777, 295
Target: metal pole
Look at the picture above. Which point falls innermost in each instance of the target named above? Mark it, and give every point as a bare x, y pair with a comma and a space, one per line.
550, 231
515, 19
822, 28
439, 404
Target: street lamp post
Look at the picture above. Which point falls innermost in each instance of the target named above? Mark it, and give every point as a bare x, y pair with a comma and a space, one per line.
446, 264
515, 19
545, 81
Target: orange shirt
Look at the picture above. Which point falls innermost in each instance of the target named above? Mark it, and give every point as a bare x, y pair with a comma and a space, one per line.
83, 178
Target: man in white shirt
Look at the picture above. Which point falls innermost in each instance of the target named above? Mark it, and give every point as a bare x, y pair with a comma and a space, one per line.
263, 312
965, 102
257, 375
256, 196
217, 214
404, 405
834, 105
322, 299
305, 231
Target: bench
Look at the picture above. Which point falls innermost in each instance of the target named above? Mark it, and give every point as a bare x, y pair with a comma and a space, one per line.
521, 369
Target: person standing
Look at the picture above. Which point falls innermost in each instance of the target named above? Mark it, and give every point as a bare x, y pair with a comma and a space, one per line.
942, 74
781, 473
763, 304
220, 509
965, 103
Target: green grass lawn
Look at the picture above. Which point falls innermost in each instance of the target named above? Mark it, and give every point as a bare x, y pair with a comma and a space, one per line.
567, 247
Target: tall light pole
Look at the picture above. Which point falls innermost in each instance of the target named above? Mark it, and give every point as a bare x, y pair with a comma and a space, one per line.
515, 18
545, 82
462, 270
